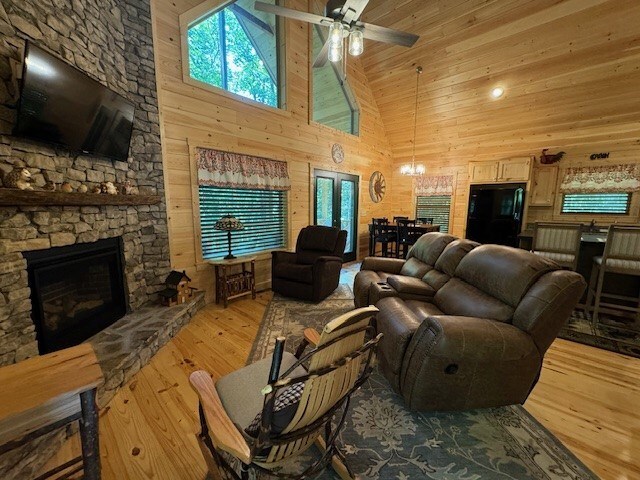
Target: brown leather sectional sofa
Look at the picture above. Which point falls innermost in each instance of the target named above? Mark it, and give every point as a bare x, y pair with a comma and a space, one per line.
465, 325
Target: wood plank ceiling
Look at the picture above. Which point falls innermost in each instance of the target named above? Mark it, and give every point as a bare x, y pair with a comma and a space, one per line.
570, 69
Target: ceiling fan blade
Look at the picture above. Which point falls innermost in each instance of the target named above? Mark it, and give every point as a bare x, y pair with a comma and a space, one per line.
294, 14
387, 35
322, 58
352, 9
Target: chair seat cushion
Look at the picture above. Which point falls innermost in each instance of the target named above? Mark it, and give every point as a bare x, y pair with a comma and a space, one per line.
240, 391
294, 271
410, 285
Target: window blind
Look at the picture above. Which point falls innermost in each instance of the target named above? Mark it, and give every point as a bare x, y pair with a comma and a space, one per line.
436, 207
263, 213
607, 203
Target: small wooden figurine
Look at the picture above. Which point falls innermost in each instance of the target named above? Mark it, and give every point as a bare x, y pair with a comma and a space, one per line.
96, 189
19, 178
66, 187
82, 188
109, 188
178, 289
50, 186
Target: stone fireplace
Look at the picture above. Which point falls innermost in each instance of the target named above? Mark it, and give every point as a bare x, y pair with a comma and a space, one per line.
76, 291
111, 41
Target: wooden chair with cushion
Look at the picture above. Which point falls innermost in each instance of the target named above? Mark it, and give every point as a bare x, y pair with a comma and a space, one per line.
621, 255
559, 242
263, 418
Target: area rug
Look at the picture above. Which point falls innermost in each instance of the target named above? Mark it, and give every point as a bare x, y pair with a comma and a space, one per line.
384, 440
612, 333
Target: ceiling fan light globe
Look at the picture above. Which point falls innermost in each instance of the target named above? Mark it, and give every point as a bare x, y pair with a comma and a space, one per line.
356, 42
335, 53
336, 33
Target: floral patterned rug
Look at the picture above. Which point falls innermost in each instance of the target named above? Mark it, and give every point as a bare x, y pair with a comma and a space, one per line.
384, 440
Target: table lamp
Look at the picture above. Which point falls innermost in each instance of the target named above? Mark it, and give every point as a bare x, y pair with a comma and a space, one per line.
229, 224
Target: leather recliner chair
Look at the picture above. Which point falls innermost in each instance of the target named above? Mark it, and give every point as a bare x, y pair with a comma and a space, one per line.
313, 271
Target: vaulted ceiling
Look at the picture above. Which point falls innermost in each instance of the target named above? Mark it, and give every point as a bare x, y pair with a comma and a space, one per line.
570, 69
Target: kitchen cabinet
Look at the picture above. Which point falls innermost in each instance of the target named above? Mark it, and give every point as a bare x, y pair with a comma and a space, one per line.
543, 186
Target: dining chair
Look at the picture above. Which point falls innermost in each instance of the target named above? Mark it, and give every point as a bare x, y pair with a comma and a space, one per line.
622, 256
425, 220
262, 418
559, 242
396, 218
406, 235
382, 235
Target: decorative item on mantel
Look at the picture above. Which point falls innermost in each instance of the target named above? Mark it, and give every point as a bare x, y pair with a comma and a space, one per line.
178, 289
229, 224
411, 169
66, 187
549, 158
19, 177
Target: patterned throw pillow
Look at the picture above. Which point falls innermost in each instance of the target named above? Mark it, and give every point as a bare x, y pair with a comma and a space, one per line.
284, 408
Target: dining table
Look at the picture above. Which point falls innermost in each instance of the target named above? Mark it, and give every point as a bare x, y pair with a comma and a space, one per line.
420, 228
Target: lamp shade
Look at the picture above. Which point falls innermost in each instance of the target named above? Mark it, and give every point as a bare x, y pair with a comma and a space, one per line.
228, 223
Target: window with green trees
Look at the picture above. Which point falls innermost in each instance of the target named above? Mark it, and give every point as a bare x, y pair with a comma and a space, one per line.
334, 104
236, 49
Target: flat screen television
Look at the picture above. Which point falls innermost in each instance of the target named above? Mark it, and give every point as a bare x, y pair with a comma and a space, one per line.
59, 104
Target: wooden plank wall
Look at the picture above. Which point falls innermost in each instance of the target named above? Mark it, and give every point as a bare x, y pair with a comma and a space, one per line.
192, 116
570, 69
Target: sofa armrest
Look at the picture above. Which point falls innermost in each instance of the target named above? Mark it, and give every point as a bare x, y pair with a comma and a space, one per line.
381, 264
468, 357
280, 256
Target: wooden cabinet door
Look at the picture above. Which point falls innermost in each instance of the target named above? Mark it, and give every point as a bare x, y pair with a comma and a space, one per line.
483, 172
514, 169
543, 187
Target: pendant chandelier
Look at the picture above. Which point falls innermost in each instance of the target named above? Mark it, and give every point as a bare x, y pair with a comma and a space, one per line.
412, 169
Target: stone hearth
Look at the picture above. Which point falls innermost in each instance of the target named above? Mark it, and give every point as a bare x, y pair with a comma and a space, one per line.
127, 345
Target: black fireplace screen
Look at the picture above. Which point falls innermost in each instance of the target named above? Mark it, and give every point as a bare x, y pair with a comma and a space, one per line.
76, 291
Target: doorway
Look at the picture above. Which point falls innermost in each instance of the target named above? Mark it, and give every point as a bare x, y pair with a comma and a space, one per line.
336, 205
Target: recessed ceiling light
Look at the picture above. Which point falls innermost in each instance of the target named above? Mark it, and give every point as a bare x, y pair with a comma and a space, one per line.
497, 92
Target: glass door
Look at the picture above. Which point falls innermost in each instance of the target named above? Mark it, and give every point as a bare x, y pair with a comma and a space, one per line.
336, 205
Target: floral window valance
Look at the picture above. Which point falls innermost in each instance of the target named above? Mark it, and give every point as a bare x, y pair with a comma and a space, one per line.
604, 179
233, 170
434, 185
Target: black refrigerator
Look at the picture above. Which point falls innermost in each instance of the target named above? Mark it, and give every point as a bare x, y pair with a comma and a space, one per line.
495, 213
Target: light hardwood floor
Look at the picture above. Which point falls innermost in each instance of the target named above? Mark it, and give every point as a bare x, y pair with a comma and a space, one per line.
587, 397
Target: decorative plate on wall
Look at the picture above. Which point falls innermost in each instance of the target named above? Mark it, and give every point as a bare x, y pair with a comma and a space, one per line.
337, 153
377, 186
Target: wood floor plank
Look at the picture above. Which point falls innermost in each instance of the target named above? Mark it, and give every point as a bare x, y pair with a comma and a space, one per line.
586, 396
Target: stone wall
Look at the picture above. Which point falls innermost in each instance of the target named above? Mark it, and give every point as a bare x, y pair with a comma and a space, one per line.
111, 41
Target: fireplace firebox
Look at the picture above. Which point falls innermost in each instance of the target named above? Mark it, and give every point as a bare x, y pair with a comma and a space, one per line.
76, 291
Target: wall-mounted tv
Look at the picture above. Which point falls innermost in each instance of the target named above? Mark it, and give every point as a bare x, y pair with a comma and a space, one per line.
59, 104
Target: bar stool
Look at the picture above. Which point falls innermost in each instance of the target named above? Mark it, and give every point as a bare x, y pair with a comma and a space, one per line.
382, 235
621, 255
559, 242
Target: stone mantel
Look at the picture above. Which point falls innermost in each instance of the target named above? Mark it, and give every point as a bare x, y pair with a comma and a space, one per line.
15, 197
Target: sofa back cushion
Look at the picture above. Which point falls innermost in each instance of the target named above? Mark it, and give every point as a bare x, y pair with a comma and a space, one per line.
429, 247
453, 254
458, 297
415, 268
504, 273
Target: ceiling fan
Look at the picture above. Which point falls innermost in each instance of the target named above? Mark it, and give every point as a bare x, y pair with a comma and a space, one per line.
342, 18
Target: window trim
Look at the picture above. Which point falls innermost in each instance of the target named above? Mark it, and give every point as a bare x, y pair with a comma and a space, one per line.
200, 262
614, 214
211, 7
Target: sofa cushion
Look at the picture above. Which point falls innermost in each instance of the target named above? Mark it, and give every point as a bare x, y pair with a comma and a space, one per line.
415, 268
435, 279
294, 271
410, 285
429, 247
453, 254
421, 309
457, 297
504, 273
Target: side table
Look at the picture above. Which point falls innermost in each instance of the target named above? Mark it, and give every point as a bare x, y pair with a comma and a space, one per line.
233, 285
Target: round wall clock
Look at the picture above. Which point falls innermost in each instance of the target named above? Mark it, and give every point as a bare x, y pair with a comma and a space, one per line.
337, 153
377, 186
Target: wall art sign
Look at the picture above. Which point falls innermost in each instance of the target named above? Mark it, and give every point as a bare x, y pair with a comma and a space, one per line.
597, 156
